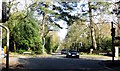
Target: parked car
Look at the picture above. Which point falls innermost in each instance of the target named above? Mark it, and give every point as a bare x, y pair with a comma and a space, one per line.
72, 53
64, 51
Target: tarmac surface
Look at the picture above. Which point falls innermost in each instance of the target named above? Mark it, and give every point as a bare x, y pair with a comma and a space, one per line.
60, 63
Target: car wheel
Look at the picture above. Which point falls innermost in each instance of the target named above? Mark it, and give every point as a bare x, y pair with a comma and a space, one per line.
77, 56
67, 56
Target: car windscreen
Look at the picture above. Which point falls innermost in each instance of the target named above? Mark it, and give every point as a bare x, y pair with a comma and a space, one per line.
72, 51
64, 50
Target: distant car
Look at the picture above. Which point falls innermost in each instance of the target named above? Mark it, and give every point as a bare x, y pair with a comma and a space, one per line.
72, 54
64, 51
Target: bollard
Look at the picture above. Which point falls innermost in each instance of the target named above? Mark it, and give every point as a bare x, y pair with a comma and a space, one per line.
116, 51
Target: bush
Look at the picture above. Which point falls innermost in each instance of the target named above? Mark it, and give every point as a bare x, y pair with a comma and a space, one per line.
37, 52
20, 51
104, 44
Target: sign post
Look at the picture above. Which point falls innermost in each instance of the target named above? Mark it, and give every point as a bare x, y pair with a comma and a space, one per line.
3, 19
7, 52
113, 37
0, 36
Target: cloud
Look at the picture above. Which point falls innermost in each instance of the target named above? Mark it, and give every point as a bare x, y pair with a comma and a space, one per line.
62, 33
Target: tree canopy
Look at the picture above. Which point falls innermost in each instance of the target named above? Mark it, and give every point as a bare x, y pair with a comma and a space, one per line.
29, 27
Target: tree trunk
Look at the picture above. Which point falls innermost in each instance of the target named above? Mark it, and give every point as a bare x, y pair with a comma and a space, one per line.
43, 37
119, 25
94, 45
118, 16
14, 46
43, 48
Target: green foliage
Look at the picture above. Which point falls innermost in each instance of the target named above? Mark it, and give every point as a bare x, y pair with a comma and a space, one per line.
20, 51
103, 36
27, 35
37, 52
24, 31
78, 32
47, 44
117, 42
104, 44
52, 42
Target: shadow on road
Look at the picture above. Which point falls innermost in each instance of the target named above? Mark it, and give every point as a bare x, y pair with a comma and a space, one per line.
59, 64
66, 64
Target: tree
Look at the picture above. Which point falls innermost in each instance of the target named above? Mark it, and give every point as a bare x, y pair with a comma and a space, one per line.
103, 36
64, 12
78, 32
52, 42
23, 29
94, 45
99, 10
67, 7
117, 12
44, 23
24, 32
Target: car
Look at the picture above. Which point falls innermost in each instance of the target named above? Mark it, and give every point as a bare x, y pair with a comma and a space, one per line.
64, 51
72, 54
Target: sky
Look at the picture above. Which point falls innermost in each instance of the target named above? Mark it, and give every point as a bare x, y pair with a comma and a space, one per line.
21, 6
61, 33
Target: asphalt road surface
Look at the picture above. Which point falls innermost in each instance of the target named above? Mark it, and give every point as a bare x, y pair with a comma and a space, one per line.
60, 63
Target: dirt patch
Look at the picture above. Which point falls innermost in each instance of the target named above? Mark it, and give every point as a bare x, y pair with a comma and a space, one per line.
13, 67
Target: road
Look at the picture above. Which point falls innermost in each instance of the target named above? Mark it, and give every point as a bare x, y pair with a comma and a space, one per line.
59, 62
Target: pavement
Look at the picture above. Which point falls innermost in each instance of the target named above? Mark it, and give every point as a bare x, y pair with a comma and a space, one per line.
85, 62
